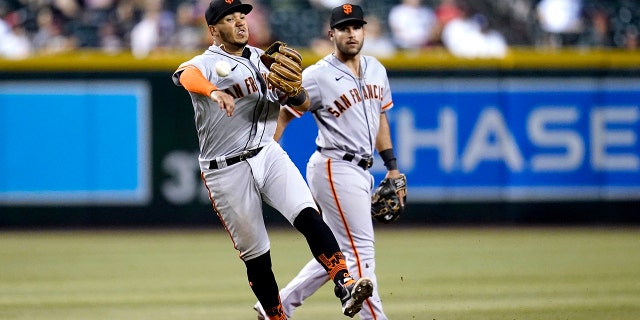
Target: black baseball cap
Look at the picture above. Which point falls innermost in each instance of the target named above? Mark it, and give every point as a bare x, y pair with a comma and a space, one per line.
346, 13
220, 8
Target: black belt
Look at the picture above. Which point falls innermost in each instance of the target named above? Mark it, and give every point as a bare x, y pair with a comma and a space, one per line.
363, 163
213, 164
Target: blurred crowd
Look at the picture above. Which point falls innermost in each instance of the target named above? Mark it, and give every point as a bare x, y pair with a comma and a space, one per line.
466, 28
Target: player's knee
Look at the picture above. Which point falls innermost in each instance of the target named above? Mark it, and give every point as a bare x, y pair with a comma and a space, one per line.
318, 234
307, 219
262, 262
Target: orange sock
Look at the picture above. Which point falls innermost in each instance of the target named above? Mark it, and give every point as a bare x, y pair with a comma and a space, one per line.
276, 313
336, 267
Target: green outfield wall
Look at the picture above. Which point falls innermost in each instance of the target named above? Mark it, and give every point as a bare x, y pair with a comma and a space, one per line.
160, 184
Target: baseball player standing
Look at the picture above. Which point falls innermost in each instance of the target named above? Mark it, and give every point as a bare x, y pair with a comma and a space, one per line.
235, 113
349, 95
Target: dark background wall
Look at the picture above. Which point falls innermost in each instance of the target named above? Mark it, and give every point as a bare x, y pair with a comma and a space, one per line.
172, 137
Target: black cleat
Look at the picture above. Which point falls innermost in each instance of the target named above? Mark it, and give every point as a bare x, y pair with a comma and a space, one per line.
261, 314
353, 294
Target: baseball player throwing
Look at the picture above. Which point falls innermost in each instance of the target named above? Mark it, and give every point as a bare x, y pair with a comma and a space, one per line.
349, 95
235, 113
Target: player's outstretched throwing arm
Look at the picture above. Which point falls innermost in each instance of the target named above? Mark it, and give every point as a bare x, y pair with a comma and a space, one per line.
192, 79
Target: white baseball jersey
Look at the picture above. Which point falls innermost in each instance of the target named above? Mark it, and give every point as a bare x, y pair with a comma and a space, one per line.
237, 190
257, 106
347, 110
347, 107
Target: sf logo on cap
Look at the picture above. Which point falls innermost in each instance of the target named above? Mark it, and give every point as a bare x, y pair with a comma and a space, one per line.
228, 1
347, 8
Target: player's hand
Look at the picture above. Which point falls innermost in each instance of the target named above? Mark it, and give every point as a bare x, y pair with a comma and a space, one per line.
395, 174
224, 101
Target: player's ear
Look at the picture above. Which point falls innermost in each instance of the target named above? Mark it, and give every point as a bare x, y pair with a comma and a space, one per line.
330, 34
213, 31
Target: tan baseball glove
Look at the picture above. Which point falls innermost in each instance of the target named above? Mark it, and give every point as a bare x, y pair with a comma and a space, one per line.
285, 66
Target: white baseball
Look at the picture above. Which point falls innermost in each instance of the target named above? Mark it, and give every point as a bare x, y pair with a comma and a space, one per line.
223, 68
